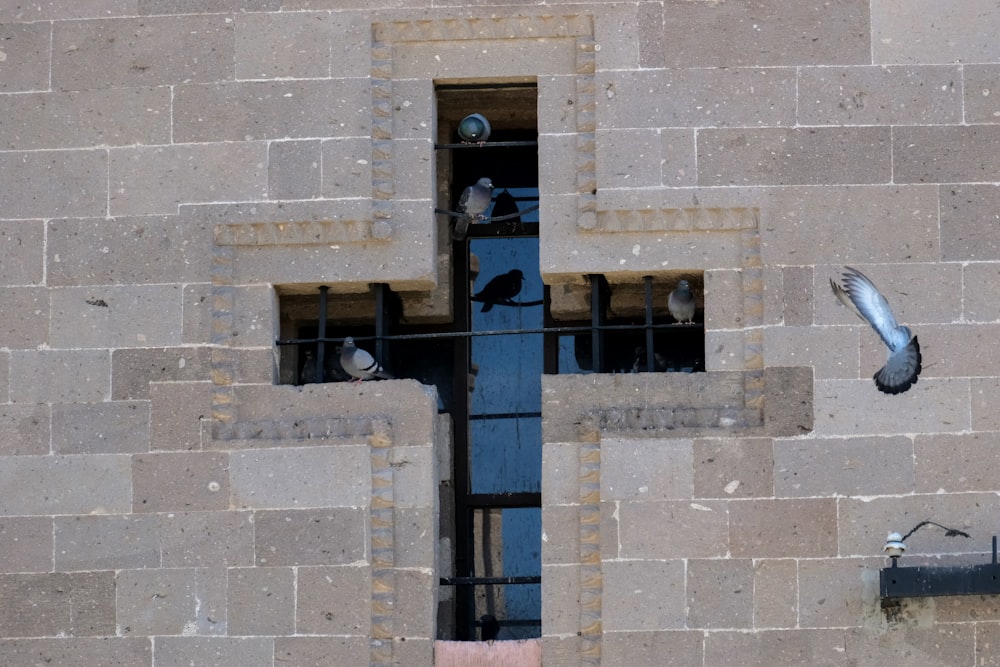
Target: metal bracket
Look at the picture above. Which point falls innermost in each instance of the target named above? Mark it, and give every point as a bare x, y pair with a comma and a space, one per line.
924, 581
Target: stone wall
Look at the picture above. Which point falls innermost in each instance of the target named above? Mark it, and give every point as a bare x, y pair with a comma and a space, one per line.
168, 167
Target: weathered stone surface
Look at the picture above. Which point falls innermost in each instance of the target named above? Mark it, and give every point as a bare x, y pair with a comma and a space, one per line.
665, 648
643, 595
22, 248
775, 593
969, 222
775, 647
220, 651
321, 609
107, 542
843, 467
299, 477
26, 55
857, 407
114, 427
207, 539
929, 32
117, 317
646, 469
319, 651
332, 536
764, 528
822, 605
80, 604
672, 529
261, 601
945, 154
26, 544
180, 481
178, 414
733, 468
981, 105
133, 369
24, 429
720, 593
54, 184
294, 169
50, 484
71, 651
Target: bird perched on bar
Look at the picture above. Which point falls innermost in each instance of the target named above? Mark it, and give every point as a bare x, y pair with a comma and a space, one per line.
309, 369
500, 289
903, 364
472, 205
640, 365
681, 302
489, 627
474, 129
359, 364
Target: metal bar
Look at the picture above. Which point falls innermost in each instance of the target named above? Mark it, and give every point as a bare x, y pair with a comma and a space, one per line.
907, 582
486, 581
505, 415
650, 352
381, 323
321, 334
488, 144
525, 500
465, 601
597, 319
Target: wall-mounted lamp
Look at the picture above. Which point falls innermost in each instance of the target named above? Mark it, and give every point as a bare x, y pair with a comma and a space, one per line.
894, 547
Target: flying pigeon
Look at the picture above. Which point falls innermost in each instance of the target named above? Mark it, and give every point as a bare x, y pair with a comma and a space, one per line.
474, 129
680, 303
489, 628
903, 365
500, 289
359, 364
473, 203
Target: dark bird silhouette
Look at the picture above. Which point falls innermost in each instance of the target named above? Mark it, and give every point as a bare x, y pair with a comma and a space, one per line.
490, 627
903, 365
501, 289
640, 365
506, 205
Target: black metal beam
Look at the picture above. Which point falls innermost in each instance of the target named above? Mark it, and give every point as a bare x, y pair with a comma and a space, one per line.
927, 581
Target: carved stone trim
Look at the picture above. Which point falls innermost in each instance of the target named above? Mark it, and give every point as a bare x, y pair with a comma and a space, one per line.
495, 27
322, 232
672, 220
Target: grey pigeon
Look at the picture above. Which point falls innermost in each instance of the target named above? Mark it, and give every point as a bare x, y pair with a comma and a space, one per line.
474, 129
500, 289
359, 364
639, 365
309, 374
489, 628
681, 303
903, 365
472, 204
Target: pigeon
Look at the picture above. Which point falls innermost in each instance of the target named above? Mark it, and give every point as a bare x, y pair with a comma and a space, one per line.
903, 365
680, 303
500, 289
639, 365
489, 628
309, 374
474, 129
359, 364
473, 203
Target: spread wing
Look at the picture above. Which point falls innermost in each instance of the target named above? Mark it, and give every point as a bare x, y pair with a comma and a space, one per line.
860, 295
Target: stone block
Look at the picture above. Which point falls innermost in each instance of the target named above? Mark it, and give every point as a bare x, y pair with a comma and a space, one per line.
775, 647
293, 45
733, 468
555, 151
794, 156
115, 427
22, 252
871, 95
261, 601
671, 529
304, 651
50, 184
197, 307
78, 10
294, 169
330, 536
256, 110
930, 32
321, 608
217, 651
415, 603
128, 250
651, 469
154, 7
822, 605
969, 222
5, 375
414, 476
413, 160
157, 601
631, 158
945, 154
24, 429
955, 463
27, 310
299, 477
643, 595
980, 93
560, 473
26, 544
51, 484
470, 58
26, 55
151, 180
557, 107
723, 299
857, 407
347, 168
940, 644
780, 528
561, 599
560, 534
767, 33
775, 593
72, 651
720, 593
116, 316
788, 400
83, 119
985, 404
78, 604
967, 339
107, 542
864, 522
832, 352
149, 51
981, 292
722, 97
133, 369
843, 467
207, 539
797, 295
180, 481
664, 648
178, 414
415, 537
615, 30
